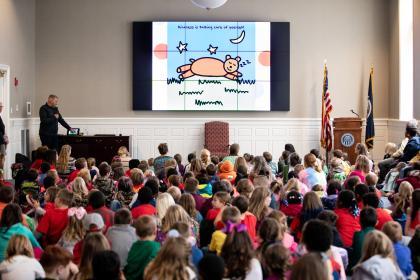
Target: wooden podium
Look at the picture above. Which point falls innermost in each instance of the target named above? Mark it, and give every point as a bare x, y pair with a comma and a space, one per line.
347, 133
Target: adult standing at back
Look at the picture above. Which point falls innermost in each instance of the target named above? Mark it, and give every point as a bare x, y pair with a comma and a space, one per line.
50, 117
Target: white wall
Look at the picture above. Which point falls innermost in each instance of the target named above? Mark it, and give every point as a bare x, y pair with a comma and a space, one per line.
17, 50
83, 52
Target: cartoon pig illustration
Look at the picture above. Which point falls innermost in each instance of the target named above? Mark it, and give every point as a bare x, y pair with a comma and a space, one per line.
211, 67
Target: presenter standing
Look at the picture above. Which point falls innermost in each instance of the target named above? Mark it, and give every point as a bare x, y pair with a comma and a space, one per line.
50, 117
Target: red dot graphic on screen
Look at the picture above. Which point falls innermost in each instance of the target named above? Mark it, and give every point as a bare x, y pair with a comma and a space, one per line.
264, 58
161, 51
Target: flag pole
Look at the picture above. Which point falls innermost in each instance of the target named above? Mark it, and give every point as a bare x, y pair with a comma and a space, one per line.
326, 146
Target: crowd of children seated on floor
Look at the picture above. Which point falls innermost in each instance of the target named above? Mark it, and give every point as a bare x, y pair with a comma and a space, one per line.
233, 217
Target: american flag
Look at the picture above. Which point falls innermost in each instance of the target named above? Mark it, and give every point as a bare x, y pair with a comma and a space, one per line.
326, 132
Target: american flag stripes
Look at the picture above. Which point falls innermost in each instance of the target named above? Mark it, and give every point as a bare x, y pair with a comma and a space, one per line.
326, 131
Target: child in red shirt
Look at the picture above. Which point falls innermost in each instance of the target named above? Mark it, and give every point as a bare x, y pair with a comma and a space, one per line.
79, 164
360, 190
220, 199
144, 198
348, 217
55, 220
372, 200
293, 204
247, 218
96, 200
136, 175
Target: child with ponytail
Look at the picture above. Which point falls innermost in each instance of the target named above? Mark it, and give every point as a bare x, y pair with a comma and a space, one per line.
348, 217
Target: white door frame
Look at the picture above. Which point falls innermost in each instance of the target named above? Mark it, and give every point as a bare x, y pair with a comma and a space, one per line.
6, 117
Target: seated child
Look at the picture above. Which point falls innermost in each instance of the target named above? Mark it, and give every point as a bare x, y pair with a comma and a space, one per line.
184, 230
348, 216
402, 253
55, 220
96, 201
57, 263
268, 233
245, 187
175, 181
368, 220
211, 170
92, 223
124, 194
144, 250
133, 163
333, 188
49, 198
293, 205
80, 164
230, 216
318, 190
137, 177
276, 188
317, 238
204, 187
122, 235
104, 183
247, 218
45, 167
331, 218
372, 200
286, 238
220, 199
371, 181
337, 170
74, 232
29, 187
275, 260
145, 196
93, 170
360, 190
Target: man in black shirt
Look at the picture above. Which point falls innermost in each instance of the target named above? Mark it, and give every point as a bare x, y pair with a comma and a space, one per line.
50, 117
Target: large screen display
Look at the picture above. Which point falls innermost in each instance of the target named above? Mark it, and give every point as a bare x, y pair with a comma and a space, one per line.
211, 66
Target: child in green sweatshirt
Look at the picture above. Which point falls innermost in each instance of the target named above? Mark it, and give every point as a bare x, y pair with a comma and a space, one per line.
144, 250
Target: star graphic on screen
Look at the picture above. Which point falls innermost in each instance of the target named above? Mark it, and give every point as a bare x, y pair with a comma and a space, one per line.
182, 47
212, 49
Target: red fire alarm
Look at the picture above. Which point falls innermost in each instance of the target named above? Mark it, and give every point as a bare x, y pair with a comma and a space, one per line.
16, 82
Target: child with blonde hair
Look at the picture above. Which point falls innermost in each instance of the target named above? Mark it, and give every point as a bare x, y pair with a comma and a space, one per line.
402, 253
74, 232
172, 261
80, 192
20, 262
378, 259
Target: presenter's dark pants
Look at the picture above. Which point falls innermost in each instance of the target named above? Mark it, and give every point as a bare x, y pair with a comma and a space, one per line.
50, 140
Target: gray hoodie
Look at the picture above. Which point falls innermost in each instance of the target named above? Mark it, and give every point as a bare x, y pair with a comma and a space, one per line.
121, 238
377, 268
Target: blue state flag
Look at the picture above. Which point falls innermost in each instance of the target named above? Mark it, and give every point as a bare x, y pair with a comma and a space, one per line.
370, 125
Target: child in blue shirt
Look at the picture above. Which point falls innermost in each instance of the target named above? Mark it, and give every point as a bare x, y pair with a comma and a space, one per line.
402, 253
